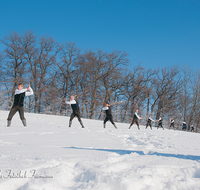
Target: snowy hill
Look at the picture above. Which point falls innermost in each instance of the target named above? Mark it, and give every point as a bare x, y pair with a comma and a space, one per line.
47, 155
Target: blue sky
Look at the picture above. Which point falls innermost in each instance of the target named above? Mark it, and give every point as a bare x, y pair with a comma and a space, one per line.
157, 33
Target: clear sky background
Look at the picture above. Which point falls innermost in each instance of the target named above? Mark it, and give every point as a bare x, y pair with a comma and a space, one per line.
157, 33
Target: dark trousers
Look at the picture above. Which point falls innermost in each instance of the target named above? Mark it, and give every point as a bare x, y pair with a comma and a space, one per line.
184, 128
108, 118
13, 111
171, 125
134, 121
75, 114
160, 125
148, 124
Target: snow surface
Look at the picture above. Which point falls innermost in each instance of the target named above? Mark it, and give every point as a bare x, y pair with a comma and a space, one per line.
48, 155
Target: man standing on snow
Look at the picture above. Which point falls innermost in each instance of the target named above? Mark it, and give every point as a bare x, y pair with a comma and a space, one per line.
192, 127
135, 119
109, 116
171, 123
160, 123
76, 111
184, 126
149, 122
18, 104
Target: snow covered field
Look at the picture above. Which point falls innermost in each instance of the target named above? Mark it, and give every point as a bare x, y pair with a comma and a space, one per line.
47, 155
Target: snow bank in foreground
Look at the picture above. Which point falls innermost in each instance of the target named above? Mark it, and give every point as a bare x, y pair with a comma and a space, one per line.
47, 155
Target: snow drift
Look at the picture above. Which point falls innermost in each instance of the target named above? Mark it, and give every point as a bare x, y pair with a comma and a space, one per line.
47, 155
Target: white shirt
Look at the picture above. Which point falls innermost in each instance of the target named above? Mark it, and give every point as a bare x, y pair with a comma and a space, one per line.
71, 102
105, 108
137, 115
151, 119
27, 93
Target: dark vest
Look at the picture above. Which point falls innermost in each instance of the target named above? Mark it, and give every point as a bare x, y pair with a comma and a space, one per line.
135, 117
160, 122
149, 121
75, 107
108, 112
19, 99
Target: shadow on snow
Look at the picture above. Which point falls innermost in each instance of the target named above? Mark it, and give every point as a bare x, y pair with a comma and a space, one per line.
123, 152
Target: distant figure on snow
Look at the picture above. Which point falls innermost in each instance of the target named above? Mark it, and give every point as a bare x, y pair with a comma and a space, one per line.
18, 104
171, 123
160, 123
184, 126
76, 111
192, 127
149, 122
135, 119
109, 116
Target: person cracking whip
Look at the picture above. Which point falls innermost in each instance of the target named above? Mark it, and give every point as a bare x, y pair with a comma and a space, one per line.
171, 123
75, 109
135, 119
107, 109
160, 123
18, 104
149, 122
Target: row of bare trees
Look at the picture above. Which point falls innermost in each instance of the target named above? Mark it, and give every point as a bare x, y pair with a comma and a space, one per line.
56, 71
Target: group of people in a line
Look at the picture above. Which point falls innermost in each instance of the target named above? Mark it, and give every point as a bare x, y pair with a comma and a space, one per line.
18, 105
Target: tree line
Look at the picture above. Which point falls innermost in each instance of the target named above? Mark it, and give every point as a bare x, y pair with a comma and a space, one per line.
56, 71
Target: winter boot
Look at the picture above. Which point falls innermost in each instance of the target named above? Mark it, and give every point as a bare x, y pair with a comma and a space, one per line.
24, 123
104, 125
70, 123
8, 123
82, 124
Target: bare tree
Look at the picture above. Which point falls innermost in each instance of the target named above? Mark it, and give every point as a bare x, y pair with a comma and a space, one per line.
135, 88
14, 59
195, 99
39, 58
68, 56
166, 87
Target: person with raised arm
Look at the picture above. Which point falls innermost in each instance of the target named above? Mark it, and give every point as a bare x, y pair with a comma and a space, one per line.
149, 122
192, 127
135, 119
171, 123
109, 116
18, 104
160, 122
75, 111
184, 126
